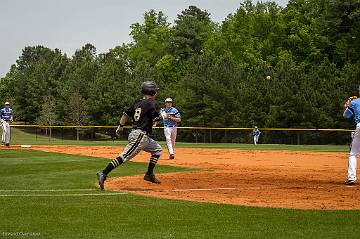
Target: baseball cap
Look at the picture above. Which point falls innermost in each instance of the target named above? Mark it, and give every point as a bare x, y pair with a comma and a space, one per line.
168, 100
7, 103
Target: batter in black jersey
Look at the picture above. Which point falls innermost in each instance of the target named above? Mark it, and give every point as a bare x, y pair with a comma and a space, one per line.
143, 112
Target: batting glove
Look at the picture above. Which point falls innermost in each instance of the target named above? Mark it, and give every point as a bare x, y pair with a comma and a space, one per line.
119, 130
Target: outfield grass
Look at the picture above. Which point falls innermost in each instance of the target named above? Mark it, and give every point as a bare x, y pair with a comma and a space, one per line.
22, 138
66, 214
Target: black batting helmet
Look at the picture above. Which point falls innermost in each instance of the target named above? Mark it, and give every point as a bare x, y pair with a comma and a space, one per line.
149, 88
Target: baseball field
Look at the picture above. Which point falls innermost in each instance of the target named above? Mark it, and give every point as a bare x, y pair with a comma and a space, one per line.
208, 191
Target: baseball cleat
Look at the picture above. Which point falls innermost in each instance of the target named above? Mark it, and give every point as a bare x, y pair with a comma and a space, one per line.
7, 145
350, 181
151, 178
172, 156
101, 178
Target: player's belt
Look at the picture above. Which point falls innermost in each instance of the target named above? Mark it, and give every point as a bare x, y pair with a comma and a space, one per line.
142, 131
170, 126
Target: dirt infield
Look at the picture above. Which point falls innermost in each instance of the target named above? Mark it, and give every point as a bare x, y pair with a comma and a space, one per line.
281, 179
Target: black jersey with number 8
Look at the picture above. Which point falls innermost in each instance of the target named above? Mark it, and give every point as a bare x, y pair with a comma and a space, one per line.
143, 112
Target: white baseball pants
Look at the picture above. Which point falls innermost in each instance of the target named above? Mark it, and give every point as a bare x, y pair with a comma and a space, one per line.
5, 132
170, 135
256, 139
355, 149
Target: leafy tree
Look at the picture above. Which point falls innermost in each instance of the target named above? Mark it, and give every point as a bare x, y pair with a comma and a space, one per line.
109, 92
212, 95
150, 39
169, 67
341, 23
7, 86
304, 37
77, 112
79, 74
47, 115
191, 30
37, 74
253, 35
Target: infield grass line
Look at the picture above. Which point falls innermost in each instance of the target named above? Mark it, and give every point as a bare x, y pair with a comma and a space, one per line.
48, 190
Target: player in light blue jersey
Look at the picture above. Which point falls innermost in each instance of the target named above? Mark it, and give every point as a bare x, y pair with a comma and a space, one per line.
171, 117
256, 133
352, 111
6, 117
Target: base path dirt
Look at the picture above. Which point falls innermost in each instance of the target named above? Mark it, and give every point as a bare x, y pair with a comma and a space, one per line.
281, 179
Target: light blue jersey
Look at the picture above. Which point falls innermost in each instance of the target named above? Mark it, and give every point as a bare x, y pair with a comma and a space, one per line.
6, 114
171, 111
353, 111
256, 132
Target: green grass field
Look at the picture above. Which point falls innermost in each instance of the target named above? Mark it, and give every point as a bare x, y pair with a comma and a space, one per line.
68, 205
21, 138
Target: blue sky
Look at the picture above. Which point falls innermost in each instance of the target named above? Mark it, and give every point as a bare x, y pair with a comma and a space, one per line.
70, 24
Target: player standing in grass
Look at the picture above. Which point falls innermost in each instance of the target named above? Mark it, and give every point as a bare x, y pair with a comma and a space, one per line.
352, 110
143, 113
6, 117
256, 133
171, 117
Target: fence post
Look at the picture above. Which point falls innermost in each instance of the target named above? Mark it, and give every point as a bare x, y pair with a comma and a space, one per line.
50, 133
77, 134
298, 138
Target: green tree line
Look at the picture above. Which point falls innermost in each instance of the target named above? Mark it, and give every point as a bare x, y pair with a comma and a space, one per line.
214, 71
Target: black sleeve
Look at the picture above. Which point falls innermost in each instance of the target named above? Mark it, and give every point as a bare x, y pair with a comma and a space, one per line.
155, 110
154, 114
130, 111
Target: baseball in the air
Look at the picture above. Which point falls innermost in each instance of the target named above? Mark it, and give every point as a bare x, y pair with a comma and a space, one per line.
268, 77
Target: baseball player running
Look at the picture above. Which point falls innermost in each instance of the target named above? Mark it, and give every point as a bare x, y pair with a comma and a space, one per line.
143, 113
352, 110
256, 133
171, 117
6, 117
